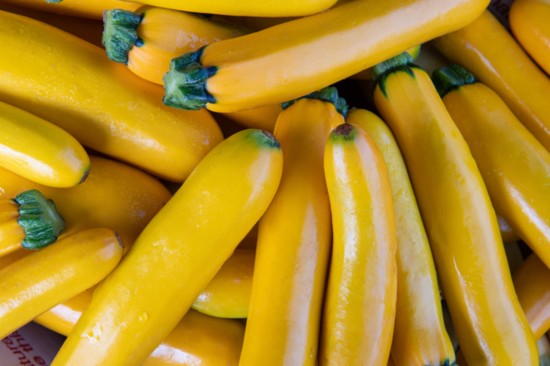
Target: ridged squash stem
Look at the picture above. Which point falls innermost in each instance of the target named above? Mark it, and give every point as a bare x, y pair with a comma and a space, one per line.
29, 221
294, 238
420, 336
31, 285
360, 301
459, 218
178, 253
514, 165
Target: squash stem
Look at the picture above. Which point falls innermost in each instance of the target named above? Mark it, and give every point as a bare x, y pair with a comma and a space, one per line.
451, 77
120, 33
39, 218
328, 94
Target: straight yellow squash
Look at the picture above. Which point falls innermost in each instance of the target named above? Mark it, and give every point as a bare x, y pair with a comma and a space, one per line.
71, 83
289, 60
177, 254
77, 8
460, 221
360, 301
419, 337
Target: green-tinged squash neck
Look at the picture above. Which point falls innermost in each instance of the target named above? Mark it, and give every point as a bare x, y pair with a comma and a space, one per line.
451, 77
400, 63
120, 33
39, 218
343, 133
185, 82
328, 94
265, 138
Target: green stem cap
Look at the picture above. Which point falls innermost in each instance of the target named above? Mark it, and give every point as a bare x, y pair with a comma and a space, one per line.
185, 82
343, 133
328, 94
53, 1
388, 66
451, 77
120, 33
39, 219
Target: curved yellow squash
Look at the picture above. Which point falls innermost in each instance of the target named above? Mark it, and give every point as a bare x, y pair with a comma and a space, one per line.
71, 83
177, 254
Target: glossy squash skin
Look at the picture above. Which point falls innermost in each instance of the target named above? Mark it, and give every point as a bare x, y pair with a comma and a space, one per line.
79, 8
419, 337
529, 24
293, 246
360, 301
513, 163
39, 150
460, 221
287, 61
178, 253
71, 83
490, 52
532, 284
38, 281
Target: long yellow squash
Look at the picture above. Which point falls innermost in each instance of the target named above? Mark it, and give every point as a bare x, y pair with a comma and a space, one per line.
35, 283
460, 221
253, 8
177, 254
293, 245
360, 300
419, 337
289, 60
39, 150
147, 39
80, 8
513, 163
532, 284
491, 53
529, 22
71, 83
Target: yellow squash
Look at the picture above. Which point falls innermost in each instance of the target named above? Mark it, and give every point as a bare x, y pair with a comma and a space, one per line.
29, 221
38, 281
460, 221
513, 163
420, 337
149, 38
71, 83
294, 238
39, 150
114, 195
532, 284
530, 24
253, 8
177, 254
228, 294
289, 60
360, 300
80, 8
490, 52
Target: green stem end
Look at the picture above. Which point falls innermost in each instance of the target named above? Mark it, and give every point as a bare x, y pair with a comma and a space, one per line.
328, 94
400, 63
185, 82
39, 219
120, 33
451, 77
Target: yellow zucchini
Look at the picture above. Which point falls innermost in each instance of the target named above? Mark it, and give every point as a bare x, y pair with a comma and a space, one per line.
29, 221
80, 8
419, 337
228, 294
460, 221
114, 195
38, 281
177, 254
360, 301
530, 24
491, 53
294, 236
532, 284
71, 83
513, 163
39, 150
290, 60
265, 8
